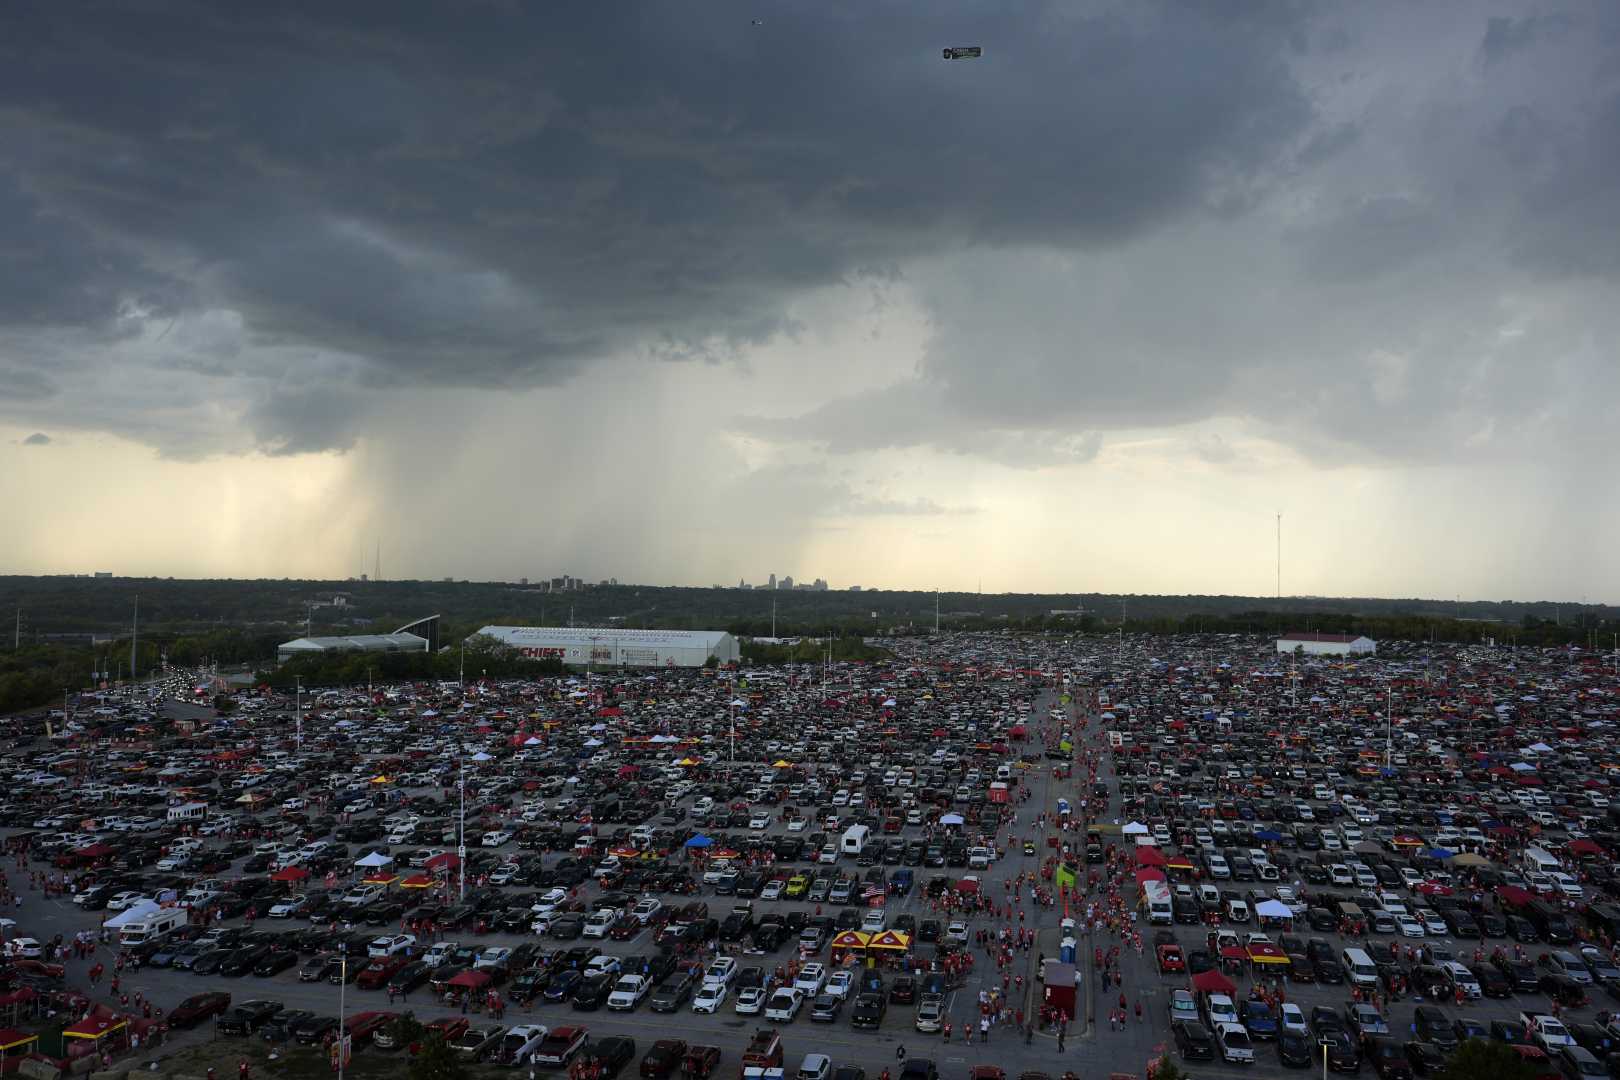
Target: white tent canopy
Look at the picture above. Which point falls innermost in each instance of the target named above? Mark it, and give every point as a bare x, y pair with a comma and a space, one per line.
375, 859
1273, 909
1134, 828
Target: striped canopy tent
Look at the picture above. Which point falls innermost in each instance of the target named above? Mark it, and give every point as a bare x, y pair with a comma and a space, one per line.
417, 881
99, 1025
892, 940
1266, 953
851, 939
381, 877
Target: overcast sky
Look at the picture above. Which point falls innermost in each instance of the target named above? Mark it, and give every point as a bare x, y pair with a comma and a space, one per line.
682, 293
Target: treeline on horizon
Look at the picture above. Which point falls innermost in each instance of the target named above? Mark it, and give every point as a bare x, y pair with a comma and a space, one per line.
238, 624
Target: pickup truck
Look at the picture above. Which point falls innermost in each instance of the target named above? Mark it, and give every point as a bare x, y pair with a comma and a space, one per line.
764, 1050
1171, 960
1547, 1032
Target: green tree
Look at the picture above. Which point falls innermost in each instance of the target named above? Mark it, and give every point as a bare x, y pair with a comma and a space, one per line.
436, 1061
1167, 1069
1487, 1059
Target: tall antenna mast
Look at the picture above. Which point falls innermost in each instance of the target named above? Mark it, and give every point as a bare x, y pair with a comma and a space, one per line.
936, 611
376, 570
1279, 556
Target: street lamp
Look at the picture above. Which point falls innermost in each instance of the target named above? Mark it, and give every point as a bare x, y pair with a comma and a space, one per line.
298, 681
341, 1044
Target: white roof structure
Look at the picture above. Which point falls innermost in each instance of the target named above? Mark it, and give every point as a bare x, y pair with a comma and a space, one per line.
615, 646
605, 635
358, 642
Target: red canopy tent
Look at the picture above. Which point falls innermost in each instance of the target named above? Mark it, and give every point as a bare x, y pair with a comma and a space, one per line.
290, 873
1149, 856
1513, 894
1213, 982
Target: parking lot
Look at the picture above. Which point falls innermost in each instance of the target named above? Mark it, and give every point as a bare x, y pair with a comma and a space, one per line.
586, 850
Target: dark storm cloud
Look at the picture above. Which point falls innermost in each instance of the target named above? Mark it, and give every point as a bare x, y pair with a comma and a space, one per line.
497, 194
38, 438
1425, 276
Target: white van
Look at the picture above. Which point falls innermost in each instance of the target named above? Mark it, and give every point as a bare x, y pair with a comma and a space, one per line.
1540, 861
855, 838
1359, 968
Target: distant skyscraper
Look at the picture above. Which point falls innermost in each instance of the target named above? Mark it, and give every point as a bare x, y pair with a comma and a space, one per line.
771, 584
787, 582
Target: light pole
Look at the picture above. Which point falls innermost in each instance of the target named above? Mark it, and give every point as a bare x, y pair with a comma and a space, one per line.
461, 830
1389, 720
342, 1042
298, 682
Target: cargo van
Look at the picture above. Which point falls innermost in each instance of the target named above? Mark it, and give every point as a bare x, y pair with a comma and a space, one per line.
1359, 968
855, 837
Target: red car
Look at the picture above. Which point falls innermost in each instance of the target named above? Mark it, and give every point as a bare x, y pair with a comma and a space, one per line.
1171, 960
375, 975
199, 1007
362, 1026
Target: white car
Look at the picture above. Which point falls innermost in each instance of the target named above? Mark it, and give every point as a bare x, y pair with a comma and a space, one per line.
126, 899
720, 971
1567, 885
1463, 978
1408, 926
1291, 1017
491, 959
289, 907
439, 954
840, 984
872, 921
759, 821
771, 891
383, 947
1433, 924
601, 965
796, 824
25, 948
552, 899
600, 922
645, 909
750, 1000
495, 839
957, 933
709, 997
811, 976
783, 1005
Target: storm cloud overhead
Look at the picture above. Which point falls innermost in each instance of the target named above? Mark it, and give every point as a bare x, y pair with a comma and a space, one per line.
693, 292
